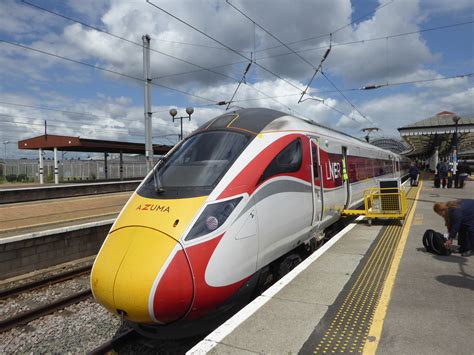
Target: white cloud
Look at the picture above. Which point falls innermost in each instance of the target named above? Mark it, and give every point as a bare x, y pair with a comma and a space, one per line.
396, 60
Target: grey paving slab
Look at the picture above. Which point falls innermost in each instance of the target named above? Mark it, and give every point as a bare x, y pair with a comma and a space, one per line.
280, 326
285, 322
339, 262
322, 288
432, 305
358, 241
431, 309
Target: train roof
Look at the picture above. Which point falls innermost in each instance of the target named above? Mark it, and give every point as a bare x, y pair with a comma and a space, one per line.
244, 120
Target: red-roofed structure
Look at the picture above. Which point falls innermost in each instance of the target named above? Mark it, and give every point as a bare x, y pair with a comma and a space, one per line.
77, 144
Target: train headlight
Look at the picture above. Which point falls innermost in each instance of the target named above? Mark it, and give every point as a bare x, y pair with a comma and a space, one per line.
213, 216
212, 223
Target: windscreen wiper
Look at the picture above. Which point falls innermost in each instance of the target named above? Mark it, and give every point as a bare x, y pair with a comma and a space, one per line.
156, 177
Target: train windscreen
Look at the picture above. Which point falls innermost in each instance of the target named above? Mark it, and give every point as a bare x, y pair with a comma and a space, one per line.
196, 166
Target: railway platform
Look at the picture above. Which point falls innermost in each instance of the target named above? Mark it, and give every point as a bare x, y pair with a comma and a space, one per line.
370, 289
40, 234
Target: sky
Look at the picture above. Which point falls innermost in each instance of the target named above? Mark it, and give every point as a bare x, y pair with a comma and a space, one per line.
79, 64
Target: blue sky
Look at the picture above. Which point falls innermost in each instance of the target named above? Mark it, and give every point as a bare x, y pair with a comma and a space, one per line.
94, 104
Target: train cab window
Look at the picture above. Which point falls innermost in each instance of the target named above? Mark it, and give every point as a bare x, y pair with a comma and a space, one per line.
287, 161
314, 153
196, 166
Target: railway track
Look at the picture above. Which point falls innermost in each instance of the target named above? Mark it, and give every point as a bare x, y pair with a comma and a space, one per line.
44, 282
117, 341
130, 337
42, 310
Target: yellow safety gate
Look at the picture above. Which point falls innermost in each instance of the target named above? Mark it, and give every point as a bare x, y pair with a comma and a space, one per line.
382, 203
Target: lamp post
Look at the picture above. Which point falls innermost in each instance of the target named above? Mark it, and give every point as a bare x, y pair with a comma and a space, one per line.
455, 153
174, 112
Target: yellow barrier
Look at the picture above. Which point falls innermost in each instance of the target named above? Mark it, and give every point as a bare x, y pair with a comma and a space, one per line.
382, 203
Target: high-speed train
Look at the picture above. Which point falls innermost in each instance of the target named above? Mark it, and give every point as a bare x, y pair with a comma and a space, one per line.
203, 231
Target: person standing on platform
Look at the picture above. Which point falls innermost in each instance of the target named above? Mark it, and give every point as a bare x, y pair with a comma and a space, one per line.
459, 219
413, 172
463, 172
442, 171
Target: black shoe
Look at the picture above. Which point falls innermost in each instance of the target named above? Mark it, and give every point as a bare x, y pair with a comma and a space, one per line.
467, 253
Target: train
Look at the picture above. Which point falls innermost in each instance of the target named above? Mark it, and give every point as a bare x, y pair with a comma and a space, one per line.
229, 209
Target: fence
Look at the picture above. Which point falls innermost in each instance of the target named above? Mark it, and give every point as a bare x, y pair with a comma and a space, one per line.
72, 170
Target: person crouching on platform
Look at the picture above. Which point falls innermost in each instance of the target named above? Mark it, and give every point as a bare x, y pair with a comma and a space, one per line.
459, 219
413, 172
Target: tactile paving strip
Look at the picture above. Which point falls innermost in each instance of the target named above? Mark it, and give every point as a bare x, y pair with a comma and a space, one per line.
346, 330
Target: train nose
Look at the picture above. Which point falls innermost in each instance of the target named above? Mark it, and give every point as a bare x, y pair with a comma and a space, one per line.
144, 275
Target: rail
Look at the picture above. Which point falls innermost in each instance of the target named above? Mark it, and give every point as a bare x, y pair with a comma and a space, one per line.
28, 316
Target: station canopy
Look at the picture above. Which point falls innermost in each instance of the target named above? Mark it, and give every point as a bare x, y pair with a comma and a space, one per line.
438, 132
78, 144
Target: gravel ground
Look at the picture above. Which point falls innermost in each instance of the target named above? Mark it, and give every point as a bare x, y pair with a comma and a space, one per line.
76, 329
32, 299
41, 274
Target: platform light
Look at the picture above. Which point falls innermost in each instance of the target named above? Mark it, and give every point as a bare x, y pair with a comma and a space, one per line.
173, 112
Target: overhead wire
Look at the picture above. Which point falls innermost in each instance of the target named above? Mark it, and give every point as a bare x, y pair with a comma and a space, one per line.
319, 68
141, 45
268, 32
336, 30
221, 43
49, 125
360, 41
238, 86
231, 49
103, 69
85, 114
345, 97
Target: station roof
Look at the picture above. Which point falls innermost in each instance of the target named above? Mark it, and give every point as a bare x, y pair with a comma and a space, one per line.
395, 145
78, 144
438, 132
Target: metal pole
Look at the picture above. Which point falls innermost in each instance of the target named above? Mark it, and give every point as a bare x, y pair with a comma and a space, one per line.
105, 166
121, 165
56, 171
40, 153
148, 126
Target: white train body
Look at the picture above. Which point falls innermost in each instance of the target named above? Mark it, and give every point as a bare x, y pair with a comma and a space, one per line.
239, 193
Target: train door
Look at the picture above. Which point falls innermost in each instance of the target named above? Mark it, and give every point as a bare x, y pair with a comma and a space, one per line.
345, 177
318, 200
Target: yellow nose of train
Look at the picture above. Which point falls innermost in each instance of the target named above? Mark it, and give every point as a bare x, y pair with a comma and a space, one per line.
141, 270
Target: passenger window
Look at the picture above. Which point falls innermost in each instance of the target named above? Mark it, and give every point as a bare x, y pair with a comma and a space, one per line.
314, 153
287, 161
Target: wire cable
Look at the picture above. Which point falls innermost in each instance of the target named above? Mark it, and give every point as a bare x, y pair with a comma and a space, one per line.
337, 30
319, 68
103, 69
222, 44
361, 41
345, 97
141, 45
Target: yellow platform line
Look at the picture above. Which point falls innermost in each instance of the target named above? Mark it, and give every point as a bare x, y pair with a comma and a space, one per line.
354, 304
381, 311
349, 329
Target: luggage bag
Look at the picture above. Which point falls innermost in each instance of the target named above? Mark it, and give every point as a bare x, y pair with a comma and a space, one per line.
434, 243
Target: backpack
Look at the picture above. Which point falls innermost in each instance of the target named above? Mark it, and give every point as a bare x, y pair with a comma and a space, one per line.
434, 243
